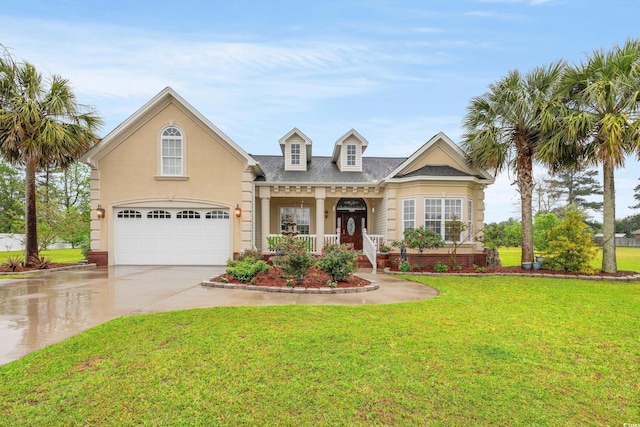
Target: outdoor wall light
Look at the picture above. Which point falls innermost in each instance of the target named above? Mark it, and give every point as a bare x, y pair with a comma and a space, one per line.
100, 212
326, 214
238, 211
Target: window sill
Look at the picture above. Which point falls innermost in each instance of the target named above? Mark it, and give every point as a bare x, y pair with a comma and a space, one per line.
171, 178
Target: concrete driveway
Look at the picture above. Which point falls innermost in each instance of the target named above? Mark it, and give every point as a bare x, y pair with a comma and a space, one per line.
41, 310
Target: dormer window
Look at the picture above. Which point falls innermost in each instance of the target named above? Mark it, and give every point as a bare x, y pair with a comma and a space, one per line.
351, 155
295, 154
172, 152
296, 149
347, 153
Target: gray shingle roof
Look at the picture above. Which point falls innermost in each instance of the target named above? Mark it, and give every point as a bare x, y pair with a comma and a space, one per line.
430, 170
322, 169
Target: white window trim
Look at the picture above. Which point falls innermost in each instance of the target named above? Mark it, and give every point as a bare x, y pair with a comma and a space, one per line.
443, 216
311, 213
161, 176
355, 154
299, 153
470, 220
415, 206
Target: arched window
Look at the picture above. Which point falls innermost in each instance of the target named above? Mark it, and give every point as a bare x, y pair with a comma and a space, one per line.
172, 151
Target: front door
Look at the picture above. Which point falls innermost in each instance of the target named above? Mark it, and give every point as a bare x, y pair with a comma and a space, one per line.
351, 224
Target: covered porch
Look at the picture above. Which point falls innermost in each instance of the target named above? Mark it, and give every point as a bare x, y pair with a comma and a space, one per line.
320, 216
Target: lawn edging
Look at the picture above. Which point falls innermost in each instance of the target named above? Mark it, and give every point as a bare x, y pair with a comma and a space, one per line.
372, 286
627, 278
48, 270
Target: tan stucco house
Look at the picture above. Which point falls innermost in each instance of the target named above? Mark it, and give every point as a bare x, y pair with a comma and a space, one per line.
169, 187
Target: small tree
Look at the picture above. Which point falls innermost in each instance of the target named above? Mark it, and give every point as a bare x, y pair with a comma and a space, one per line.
420, 238
571, 246
541, 227
458, 231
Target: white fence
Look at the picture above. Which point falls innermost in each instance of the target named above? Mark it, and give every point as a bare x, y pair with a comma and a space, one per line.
11, 242
15, 242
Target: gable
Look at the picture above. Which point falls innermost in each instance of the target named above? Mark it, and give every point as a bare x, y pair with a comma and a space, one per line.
436, 158
167, 98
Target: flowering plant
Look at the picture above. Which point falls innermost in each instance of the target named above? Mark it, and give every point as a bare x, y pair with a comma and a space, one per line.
384, 249
338, 261
419, 238
296, 259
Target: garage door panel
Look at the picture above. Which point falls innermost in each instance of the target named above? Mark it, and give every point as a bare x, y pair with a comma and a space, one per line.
172, 236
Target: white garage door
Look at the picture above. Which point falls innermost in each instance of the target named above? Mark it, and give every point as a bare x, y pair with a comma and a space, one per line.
172, 236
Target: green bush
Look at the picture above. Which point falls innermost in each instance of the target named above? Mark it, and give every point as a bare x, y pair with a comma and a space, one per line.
296, 259
246, 269
338, 261
571, 246
541, 227
441, 268
405, 267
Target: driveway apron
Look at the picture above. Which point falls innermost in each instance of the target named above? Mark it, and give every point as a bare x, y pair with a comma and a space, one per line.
41, 310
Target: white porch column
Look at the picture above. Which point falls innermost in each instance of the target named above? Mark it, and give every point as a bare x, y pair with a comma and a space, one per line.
265, 203
321, 193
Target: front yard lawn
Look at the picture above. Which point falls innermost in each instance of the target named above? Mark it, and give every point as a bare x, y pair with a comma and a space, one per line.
487, 351
58, 256
628, 258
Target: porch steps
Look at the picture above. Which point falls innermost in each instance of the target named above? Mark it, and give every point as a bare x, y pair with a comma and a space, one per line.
363, 262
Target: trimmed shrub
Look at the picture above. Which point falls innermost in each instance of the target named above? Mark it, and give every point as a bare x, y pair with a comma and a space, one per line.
338, 261
246, 269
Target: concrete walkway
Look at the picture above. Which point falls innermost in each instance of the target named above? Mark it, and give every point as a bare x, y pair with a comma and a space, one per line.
42, 310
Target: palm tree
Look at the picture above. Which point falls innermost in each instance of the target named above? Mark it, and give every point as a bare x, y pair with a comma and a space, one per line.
41, 125
503, 128
599, 124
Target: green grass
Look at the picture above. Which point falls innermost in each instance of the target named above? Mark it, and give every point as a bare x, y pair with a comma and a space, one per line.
61, 256
628, 258
487, 351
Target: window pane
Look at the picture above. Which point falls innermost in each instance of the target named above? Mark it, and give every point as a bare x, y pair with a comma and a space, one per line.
295, 154
351, 155
171, 151
433, 215
452, 212
299, 216
409, 214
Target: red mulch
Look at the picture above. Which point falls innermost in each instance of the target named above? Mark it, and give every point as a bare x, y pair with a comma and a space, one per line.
26, 269
276, 277
516, 269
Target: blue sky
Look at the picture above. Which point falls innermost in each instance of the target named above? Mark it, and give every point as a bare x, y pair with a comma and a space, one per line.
397, 71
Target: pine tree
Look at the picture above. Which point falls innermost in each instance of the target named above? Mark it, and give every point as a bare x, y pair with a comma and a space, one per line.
637, 197
573, 186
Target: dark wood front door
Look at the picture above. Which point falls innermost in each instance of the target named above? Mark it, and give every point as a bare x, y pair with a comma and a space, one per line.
351, 224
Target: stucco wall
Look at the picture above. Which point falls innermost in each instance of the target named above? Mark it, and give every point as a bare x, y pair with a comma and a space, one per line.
213, 173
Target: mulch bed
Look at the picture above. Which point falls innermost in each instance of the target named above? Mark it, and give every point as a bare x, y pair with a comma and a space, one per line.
28, 269
276, 277
520, 270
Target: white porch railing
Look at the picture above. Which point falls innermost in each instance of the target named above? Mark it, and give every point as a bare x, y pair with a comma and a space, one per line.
370, 249
311, 239
331, 239
377, 240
